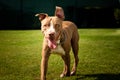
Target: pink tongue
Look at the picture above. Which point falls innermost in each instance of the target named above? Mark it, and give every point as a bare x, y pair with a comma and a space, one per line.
51, 44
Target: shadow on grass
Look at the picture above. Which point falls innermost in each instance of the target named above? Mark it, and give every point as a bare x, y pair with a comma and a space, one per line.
99, 76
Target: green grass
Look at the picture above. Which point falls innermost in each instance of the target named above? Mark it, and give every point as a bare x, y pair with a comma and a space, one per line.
99, 53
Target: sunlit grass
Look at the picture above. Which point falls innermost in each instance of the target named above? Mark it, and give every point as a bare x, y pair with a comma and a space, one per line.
99, 53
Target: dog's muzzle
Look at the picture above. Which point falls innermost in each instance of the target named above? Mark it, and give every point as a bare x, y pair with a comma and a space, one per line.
52, 39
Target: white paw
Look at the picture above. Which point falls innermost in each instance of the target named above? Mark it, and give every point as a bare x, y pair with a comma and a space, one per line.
62, 75
72, 73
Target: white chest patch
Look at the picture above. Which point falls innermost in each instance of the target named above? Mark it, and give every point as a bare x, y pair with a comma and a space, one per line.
59, 50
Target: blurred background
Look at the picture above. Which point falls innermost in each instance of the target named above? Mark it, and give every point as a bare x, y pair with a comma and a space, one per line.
20, 14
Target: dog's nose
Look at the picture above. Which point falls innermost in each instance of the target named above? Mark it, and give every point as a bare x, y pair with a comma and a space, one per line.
51, 34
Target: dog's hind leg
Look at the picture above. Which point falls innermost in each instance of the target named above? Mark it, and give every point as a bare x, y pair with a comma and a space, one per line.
75, 48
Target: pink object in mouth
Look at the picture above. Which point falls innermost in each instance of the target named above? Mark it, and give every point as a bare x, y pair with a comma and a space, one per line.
51, 43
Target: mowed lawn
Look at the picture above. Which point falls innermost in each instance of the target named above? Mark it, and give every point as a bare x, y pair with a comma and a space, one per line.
99, 54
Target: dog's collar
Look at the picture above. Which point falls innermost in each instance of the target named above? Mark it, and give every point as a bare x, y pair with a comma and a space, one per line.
61, 39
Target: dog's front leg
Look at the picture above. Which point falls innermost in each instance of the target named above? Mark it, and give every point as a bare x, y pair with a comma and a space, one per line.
44, 63
66, 70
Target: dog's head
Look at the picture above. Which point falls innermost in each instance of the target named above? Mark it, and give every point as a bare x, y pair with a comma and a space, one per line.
51, 26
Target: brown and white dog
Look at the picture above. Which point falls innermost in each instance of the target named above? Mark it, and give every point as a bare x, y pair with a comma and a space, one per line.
59, 37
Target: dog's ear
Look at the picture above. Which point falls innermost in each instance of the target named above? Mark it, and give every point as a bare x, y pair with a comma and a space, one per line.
41, 16
59, 13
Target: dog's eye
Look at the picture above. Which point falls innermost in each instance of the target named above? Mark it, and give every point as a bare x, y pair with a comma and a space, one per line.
46, 25
57, 25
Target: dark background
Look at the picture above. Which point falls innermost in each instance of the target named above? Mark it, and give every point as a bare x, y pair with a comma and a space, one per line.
20, 14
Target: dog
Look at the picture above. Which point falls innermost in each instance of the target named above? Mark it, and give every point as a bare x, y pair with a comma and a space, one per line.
59, 37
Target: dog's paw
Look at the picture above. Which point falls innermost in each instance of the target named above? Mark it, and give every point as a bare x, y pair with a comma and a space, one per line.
62, 75
72, 73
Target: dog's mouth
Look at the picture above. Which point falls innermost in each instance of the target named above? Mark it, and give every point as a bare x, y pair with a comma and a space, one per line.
53, 40
51, 43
